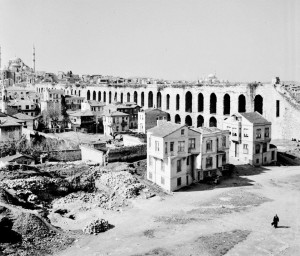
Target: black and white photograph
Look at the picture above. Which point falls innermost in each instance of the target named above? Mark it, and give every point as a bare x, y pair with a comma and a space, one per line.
149, 127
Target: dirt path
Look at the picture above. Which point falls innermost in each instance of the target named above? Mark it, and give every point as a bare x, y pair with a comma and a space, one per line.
180, 224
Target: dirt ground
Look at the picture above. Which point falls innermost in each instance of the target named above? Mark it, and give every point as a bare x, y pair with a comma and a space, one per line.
79, 137
233, 218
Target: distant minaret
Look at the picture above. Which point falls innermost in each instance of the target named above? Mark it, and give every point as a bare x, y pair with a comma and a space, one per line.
4, 98
33, 59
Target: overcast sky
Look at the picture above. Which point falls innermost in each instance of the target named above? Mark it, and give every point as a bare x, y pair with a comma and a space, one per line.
240, 40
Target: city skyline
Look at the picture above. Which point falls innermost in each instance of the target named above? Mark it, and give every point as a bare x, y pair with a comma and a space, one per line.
176, 40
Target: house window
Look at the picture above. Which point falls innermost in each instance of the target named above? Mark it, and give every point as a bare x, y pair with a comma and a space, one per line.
188, 160
192, 143
208, 162
150, 161
156, 146
245, 148
265, 146
258, 133
166, 147
182, 132
171, 146
178, 165
179, 182
162, 180
27, 106
224, 158
267, 132
273, 155
277, 108
223, 141
257, 149
246, 135
209, 145
257, 161
181, 146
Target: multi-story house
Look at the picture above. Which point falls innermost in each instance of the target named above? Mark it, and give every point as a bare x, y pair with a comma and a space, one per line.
74, 102
172, 151
147, 118
130, 108
178, 155
115, 121
214, 152
82, 120
250, 136
92, 105
26, 106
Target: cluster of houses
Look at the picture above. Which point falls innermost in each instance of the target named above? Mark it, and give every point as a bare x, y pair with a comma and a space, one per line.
177, 154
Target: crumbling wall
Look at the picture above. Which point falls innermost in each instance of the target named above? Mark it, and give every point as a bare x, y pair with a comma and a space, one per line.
64, 155
127, 154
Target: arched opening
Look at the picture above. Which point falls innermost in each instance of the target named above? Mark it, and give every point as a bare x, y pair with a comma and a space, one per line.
226, 104
200, 102
116, 97
200, 121
79, 93
99, 96
121, 97
177, 119
212, 122
109, 97
242, 104
150, 100
94, 95
168, 101
168, 117
88, 95
188, 120
104, 96
213, 103
135, 97
177, 102
258, 104
158, 100
71, 91
188, 102
128, 97
142, 99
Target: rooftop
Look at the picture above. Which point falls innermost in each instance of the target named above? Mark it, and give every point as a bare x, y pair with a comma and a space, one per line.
81, 113
207, 130
165, 128
23, 116
254, 117
13, 157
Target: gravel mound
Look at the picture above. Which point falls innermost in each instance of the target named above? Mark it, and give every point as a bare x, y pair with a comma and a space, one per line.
96, 226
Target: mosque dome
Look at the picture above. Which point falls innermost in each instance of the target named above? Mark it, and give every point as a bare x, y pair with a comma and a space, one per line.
211, 76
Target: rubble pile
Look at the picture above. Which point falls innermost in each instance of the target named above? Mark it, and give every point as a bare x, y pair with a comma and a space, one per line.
123, 183
96, 226
98, 199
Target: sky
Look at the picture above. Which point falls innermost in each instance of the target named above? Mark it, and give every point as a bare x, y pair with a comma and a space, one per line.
239, 40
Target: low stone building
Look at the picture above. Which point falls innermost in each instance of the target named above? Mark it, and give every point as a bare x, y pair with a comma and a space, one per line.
10, 129
250, 136
147, 118
17, 158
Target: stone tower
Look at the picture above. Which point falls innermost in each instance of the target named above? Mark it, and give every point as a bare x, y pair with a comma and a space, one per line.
4, 98
33, 55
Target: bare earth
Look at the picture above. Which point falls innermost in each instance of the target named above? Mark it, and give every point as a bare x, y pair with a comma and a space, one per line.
233, 218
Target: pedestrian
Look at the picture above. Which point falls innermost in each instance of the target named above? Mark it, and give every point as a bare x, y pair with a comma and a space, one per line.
275, 221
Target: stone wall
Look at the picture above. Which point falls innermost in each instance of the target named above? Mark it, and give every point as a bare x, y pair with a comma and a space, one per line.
64, 155
92, 154
130, 140
127, 154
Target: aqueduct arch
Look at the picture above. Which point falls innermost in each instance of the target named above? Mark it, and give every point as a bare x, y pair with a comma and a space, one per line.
88, 95
188, 102
188, 120
200, 102
213, 122
99, 96
168, 102
128, 96
158, 100
142, 99
213, 103
200, 121
177, 119
150, 99
94, 95
242, 103
258, 104
135, 97
177, 102
226, 104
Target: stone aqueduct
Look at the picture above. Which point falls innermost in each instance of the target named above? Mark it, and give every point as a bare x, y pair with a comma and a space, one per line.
205, 105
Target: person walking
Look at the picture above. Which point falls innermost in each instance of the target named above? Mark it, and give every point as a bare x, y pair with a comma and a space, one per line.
275, 221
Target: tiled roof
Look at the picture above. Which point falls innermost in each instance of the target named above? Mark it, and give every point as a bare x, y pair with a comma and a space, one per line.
165, 129
95, 103
23, 116
207, 130
254, 117
114, 113
8, 121
154, 110
13, 157
81, 113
